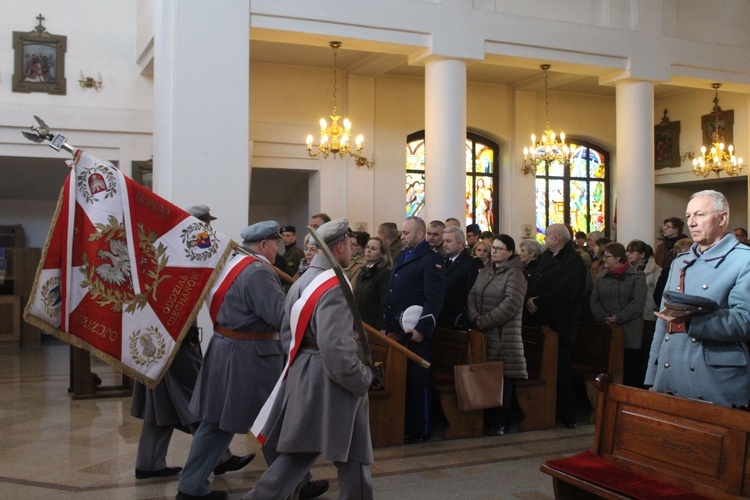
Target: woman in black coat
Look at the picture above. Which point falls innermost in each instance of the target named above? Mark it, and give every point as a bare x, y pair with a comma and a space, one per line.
372, 282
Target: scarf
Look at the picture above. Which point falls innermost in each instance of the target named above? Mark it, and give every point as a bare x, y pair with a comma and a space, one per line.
620, 270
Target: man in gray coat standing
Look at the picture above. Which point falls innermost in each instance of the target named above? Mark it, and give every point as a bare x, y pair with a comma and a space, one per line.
322, 406
704, 355
243, 360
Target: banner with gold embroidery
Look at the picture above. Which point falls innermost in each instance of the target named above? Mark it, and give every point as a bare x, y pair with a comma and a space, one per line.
123, 272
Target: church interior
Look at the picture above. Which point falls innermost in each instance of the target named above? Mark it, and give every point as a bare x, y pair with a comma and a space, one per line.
211, 103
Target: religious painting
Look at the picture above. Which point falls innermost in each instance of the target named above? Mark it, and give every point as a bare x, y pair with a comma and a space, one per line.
39, 61
667, 143
718, 126
143, 173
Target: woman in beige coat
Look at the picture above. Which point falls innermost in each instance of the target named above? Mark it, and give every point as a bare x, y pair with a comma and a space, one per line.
495, 306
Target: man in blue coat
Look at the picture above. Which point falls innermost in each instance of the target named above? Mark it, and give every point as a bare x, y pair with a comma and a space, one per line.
417, 279
704, 355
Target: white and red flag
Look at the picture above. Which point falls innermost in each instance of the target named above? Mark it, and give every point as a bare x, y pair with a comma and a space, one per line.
123, 272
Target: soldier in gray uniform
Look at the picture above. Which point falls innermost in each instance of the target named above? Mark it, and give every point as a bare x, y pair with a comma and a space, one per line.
165, 407
322, 407
242, 363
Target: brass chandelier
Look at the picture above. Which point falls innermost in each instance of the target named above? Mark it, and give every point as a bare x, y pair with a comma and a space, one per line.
335, 139
549, 149
719, 158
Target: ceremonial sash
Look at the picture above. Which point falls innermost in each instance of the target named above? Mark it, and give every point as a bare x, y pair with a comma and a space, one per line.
232, 269
124, 272
299, 319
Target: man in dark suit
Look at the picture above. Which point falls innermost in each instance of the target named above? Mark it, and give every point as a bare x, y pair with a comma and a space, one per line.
416, 280
461, 270
554, 298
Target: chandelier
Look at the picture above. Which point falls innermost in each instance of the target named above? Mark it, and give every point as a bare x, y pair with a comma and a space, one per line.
720, 158
335, 139
549, 149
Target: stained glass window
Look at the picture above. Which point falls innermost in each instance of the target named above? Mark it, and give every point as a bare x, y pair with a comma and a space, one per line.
578, 196
481, 179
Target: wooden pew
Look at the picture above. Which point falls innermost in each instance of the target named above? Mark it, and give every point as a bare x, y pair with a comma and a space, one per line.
451, 348
598, 349
387, 403
646, 442
536, 396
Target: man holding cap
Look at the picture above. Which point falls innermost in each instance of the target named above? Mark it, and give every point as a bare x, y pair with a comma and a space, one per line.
243, 359
322, 405
703, 354
293, 254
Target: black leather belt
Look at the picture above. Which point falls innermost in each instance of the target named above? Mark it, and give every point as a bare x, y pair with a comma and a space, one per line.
308, 343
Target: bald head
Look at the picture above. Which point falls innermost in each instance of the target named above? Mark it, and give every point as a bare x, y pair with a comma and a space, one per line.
557, 237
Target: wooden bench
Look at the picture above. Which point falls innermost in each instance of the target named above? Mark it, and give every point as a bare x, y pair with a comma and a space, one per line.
598, 349
646, 443
537, 395
451, 348
387, 403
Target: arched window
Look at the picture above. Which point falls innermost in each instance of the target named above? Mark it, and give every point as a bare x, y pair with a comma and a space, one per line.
578, 196
481, 179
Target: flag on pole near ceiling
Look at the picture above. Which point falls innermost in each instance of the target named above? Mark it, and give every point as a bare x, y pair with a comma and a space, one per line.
123, 272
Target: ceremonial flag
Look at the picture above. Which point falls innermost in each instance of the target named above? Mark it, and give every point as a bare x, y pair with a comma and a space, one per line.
123, 272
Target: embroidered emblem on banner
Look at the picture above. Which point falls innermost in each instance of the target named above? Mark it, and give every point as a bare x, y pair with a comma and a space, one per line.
96, 180
51, 296
200, 241
149, 352
109, 281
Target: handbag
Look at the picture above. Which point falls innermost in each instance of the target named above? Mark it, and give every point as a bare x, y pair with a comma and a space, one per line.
479, 385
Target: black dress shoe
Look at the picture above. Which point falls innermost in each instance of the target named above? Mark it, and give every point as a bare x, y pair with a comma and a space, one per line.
214, 495
166, 471
416, 438
313, 489
496, 430
234, 463
570, 425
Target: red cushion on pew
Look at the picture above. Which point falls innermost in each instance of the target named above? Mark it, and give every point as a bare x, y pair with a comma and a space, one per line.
594, 469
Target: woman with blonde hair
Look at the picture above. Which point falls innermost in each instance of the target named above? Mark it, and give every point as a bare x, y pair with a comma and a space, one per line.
481, 250
372, 282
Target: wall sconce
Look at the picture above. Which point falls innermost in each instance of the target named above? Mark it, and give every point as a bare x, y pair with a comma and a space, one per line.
687, 156
364, 162
87, 82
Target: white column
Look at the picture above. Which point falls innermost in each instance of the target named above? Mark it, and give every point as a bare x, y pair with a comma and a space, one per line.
201, 95
445, 140
634, 175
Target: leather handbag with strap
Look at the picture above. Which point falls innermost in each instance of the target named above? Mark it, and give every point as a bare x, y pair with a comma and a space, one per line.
479, 385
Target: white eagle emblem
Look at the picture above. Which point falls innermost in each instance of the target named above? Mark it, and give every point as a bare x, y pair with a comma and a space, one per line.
118, 272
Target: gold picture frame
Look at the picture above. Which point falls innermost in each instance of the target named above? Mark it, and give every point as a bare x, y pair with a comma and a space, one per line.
667, 143
39, 61
724, 124
143, 173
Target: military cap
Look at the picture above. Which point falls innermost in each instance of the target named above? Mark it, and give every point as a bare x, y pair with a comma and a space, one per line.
334, 231
680, 304
288, 229
266, 230
201, 212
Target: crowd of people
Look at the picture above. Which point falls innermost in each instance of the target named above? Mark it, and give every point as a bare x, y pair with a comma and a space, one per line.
406, 281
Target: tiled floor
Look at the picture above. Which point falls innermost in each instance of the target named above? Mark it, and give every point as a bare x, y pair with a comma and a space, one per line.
54, 447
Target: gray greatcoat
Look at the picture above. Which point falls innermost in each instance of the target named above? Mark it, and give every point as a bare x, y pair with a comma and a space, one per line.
322, 405
495, 306
710, 361
623, 297
237, 376
652, 272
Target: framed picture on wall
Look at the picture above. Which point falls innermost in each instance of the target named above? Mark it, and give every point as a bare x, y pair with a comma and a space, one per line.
667, 143
39, 61
143, 173
724, 125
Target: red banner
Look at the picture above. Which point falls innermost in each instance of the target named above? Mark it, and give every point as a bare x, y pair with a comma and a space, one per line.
123, 272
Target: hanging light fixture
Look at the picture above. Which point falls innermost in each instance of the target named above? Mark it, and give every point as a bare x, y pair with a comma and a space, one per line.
720, 158
549, 149
335, 139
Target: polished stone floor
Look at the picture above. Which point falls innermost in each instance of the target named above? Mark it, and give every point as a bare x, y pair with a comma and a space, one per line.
52, 446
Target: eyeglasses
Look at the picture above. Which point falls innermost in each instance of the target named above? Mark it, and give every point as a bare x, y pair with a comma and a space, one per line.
666, 226
606, 256
499, 249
